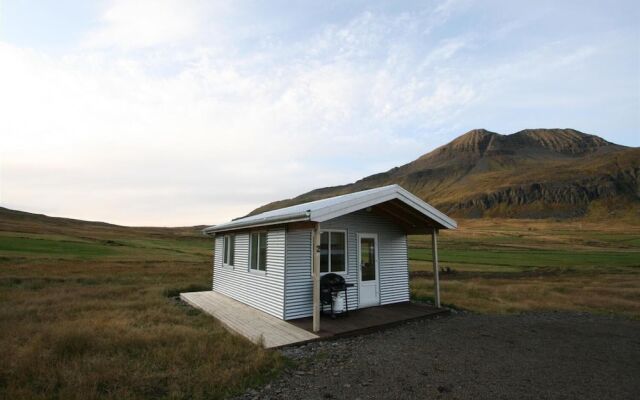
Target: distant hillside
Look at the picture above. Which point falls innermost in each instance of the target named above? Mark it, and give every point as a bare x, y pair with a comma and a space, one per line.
534, 173
20, 221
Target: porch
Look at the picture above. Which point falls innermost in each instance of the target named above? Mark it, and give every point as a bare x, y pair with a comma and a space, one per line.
369, 319
273, 332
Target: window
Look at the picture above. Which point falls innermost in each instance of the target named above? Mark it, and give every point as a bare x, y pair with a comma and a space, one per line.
229, 250
333, 251
258, 260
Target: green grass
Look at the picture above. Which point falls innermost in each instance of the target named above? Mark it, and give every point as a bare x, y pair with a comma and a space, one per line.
26, 246
533, 258
31, 246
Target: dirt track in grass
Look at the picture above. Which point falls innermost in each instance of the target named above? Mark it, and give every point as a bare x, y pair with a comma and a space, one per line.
471, 356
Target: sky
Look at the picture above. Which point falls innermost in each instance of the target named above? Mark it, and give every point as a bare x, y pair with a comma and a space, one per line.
185, 112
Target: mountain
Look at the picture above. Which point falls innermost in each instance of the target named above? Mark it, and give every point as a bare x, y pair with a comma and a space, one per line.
534, 173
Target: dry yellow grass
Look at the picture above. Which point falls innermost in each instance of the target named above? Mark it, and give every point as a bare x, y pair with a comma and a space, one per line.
607, 294
75, 330
86, 313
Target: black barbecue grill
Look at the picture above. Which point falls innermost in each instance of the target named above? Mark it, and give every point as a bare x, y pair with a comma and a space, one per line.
331, 286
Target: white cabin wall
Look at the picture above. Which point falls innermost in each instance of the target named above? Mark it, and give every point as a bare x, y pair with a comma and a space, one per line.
262, 291
393, 262
392, 252
299, 286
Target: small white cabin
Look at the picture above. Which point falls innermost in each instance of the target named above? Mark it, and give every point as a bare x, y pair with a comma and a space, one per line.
267, 260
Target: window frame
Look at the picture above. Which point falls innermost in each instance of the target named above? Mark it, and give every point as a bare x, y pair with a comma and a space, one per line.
346, 252
227, 251
257, 270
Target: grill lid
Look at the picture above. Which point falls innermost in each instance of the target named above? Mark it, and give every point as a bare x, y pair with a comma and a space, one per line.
332, 280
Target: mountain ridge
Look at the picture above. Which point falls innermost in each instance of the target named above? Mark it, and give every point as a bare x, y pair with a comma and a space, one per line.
532, 173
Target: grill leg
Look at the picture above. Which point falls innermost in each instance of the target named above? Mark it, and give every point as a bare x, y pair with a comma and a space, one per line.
346, 301
333, 314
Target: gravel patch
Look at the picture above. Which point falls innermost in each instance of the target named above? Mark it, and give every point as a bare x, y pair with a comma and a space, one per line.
462, 356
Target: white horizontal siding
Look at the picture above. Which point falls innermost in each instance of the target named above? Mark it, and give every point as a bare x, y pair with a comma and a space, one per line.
393, 263
299, 292
262, 291
394, 268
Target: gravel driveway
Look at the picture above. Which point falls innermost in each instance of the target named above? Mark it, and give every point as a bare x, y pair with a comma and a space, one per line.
463, 356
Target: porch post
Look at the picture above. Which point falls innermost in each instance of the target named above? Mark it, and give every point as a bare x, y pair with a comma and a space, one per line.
436, 275
316, 277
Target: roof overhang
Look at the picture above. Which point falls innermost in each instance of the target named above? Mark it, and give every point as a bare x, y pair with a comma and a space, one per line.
240, 224
401, 195
411, 212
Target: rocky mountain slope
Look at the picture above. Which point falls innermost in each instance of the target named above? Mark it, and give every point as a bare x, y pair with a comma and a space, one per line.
534, 173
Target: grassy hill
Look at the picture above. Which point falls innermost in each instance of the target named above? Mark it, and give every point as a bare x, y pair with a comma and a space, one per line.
534, 173
87, 309
40, 236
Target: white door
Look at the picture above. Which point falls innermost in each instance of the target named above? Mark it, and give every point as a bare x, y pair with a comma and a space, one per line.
368, 273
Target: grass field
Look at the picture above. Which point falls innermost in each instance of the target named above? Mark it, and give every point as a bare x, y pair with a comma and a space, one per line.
86, 312
86, 309
515, 265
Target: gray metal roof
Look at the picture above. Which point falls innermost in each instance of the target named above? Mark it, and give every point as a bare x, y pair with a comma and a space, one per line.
326, 209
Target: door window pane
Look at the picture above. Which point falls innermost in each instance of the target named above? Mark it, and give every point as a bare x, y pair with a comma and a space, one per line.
337, 251
367, 259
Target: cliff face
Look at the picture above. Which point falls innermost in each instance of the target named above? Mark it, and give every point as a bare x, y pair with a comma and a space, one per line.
534, 173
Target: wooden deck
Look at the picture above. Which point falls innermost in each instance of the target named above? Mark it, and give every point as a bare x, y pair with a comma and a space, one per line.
256, 325
370, 319
244, 320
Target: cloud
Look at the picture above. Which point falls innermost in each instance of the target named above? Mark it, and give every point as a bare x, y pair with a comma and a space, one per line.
234, 131
146, 23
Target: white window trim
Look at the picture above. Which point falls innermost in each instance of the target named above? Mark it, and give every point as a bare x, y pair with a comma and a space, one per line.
266, 266
346, 253
228, 266
257, 272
